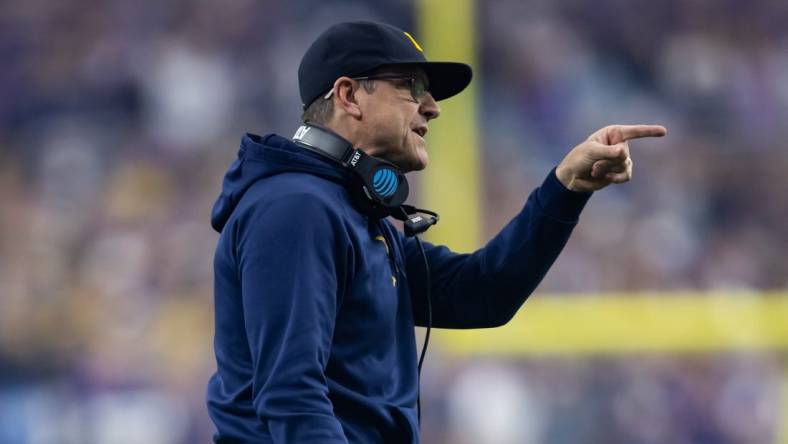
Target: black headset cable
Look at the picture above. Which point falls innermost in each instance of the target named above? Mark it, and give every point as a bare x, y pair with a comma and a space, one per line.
429, 321
427, 294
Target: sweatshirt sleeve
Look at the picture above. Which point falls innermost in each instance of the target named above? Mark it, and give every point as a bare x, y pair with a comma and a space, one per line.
290, 256
487, 287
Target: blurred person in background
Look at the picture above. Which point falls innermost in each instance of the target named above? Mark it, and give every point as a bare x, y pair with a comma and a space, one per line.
108, 135
316, 293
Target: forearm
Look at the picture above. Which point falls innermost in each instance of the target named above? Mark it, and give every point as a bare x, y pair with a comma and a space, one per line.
289, 387
307, 428
486, 288
290, 297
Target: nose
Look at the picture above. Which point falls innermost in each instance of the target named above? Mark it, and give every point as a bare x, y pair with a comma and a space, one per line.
429, 107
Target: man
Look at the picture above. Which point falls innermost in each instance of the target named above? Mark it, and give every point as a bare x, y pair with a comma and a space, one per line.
317, 295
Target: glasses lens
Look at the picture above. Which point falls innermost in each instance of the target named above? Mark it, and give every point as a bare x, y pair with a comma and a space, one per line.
418, 88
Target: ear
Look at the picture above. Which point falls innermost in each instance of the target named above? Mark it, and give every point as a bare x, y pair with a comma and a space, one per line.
345, 96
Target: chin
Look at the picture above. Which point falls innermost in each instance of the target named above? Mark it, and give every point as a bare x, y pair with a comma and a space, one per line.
419, 158
423, 160
421, 164
414, 163
410, 158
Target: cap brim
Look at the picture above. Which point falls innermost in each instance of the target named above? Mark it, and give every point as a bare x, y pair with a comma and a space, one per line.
447, 78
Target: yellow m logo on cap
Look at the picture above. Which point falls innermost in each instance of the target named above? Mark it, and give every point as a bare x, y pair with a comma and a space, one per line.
412, 40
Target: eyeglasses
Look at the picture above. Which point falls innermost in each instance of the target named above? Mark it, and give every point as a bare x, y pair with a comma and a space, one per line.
418, 87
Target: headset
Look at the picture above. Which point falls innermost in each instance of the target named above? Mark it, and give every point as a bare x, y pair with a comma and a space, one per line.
380, 190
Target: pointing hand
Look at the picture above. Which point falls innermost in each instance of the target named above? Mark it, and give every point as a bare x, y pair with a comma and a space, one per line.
603, 158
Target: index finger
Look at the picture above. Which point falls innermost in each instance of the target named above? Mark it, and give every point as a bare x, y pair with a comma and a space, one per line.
621, 133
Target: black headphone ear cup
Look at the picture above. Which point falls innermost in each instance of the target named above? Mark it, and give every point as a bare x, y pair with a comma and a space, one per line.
393, 189
364, 201
385, 182
382, 187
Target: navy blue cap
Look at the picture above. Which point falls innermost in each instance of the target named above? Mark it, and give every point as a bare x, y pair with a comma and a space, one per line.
356, 48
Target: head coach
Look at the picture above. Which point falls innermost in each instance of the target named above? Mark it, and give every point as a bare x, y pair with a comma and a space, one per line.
317, 293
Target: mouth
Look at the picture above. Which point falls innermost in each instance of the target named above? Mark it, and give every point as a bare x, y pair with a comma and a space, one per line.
421, 131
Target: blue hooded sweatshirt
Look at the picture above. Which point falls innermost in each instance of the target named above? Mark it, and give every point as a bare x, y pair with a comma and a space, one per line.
316, 303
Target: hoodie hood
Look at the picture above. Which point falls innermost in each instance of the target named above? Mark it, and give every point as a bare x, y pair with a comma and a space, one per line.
261, 157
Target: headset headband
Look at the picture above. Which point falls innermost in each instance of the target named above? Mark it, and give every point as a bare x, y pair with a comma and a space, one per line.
325, 142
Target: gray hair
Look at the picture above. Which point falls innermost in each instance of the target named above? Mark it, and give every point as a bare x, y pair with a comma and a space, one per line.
321, 109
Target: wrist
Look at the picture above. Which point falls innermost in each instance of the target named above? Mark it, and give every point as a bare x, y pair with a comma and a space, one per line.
559, 202
565, 177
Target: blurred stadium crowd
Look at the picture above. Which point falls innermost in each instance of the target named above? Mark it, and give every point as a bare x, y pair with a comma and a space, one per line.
118, 119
